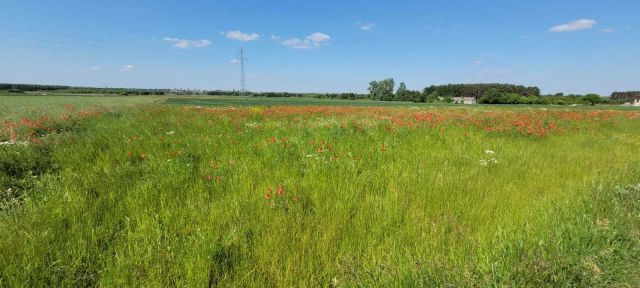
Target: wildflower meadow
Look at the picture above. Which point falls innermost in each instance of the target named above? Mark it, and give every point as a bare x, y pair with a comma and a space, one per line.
159, 195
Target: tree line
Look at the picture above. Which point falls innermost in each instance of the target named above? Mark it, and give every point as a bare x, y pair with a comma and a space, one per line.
21, 88
382, 90
626, 96
483, 93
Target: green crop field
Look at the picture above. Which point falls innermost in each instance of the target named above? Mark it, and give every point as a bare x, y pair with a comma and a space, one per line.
235, 101
292, 101
265, 194
36, 105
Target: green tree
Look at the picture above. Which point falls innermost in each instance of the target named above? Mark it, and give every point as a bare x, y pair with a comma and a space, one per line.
491, 96
401, 93
592, 99
431, 97
510, 98
382, 90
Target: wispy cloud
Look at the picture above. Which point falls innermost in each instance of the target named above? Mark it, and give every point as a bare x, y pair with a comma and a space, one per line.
184, 43
240, 36
576, 25
478, 62
128, 68
314, 40
234, 61
274, 37
608, 30
94, 68
366, 26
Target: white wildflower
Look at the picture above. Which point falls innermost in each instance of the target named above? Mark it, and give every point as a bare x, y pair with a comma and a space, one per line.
171, 132
484, 163
8, 143
490, 152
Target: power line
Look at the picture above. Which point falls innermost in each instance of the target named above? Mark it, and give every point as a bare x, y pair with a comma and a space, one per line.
121, 53
98, 47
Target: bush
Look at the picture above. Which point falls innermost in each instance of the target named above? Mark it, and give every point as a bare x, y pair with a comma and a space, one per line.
13, 90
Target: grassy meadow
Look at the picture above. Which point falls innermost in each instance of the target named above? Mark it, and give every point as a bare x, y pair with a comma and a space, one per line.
36, 105
152, 195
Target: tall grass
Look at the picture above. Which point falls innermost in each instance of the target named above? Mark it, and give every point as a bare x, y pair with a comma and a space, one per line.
332, 197
14, 107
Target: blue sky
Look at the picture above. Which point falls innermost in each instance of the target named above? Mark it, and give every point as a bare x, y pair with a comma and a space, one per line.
322, 46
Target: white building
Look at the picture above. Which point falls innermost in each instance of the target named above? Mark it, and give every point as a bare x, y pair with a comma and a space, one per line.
464, 100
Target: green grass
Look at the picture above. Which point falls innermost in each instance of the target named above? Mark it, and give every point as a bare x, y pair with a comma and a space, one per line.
371, 197
14, 106
241, 101
265, 101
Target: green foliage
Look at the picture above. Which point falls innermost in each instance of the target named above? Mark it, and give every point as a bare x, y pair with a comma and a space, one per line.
401, 93
20, 167
13, 90
382, 90
478, 90
14, 107
430, 97
181, 201
491, 96
592, 99
625, 96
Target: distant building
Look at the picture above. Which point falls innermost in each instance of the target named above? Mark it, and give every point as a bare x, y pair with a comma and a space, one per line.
629, 98
464, 100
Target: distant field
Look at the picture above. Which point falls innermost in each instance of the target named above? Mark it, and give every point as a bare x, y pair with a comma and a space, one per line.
236, 101
30, 105
265, 101
14, 106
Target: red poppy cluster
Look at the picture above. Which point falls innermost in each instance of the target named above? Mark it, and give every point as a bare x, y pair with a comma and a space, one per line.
528, 122
33, 129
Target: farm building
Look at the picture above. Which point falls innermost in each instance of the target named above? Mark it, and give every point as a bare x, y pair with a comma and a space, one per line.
464, 100
632, 97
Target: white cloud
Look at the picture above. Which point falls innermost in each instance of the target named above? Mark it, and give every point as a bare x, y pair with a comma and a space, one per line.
314, 40
318, 37
128, 68
94, 68
184, 43
478, 62
234, 61
576, 25
366, 26
293, 42
608, 30
238, 35
274, 37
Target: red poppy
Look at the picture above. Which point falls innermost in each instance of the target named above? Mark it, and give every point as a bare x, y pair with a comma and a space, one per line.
280, 190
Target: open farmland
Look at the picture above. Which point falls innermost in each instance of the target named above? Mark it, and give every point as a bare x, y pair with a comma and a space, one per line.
37, 105
320, 196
